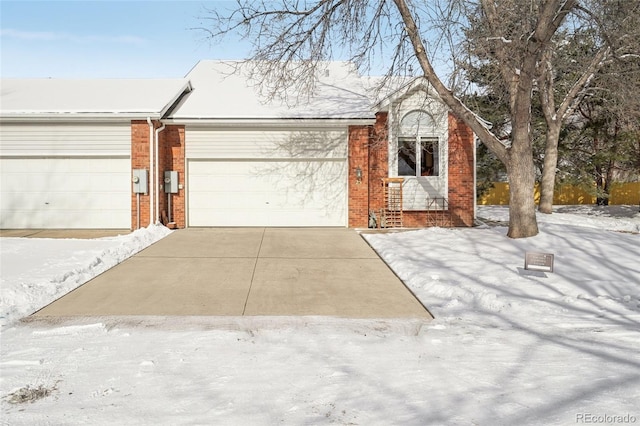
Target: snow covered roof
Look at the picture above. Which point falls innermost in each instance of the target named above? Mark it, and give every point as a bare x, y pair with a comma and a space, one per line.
213, 90
397, 88
225, 90
100, 98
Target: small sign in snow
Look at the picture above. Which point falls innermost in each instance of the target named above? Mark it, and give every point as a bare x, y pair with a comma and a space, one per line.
538, 262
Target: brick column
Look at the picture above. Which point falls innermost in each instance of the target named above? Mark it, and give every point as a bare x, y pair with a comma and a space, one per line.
171, 157
358, 189
139, 160
378, 161
461, 172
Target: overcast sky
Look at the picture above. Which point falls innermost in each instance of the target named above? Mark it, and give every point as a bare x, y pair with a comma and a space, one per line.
106, 38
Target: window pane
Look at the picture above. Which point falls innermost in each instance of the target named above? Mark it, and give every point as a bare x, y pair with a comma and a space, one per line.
429, 165
406, 157
416, 122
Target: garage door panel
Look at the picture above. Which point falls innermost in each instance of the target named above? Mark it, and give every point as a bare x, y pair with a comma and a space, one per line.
267, 193
266, 144
64, 201
65, 193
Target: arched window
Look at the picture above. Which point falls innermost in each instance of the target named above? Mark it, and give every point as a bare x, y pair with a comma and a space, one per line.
417, 122
417, 148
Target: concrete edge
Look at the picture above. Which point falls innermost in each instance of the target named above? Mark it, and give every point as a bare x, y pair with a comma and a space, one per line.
249, 324
399, 279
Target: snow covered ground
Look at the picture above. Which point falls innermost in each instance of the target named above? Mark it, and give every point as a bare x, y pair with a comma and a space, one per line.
507, 347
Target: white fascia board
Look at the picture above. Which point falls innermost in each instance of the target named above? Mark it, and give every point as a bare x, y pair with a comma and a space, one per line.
176, 98
265, 122
418, 83
79, 117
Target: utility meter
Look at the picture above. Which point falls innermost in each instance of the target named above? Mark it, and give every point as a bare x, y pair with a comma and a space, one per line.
140, 181
170, 182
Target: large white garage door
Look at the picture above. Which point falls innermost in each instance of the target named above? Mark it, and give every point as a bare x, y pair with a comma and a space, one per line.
65, 193
267, 178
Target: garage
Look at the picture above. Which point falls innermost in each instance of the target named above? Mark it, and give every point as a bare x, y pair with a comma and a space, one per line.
65, 176
267, 177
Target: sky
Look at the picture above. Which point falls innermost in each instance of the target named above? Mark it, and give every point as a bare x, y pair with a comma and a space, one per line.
107, 38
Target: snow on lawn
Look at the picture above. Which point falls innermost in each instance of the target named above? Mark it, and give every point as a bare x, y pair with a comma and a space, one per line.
36, 272
507, 346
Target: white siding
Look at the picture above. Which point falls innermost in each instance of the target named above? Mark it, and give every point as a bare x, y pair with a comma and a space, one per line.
418, 191
267, 193
65, 193
272, 143
65, 139
272, 177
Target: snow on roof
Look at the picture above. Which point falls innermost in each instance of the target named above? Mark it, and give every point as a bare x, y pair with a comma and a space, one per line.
100, 97
396, 88
225, 90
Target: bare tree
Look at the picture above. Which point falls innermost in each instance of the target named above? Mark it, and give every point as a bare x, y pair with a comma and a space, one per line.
602, 142
612, 34
291, 39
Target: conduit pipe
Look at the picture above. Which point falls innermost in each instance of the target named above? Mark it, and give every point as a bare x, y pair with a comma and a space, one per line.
158, 130
151, 176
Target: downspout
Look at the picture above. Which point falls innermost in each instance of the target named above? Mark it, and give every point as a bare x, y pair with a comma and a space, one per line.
475, 178
158, 130
151, 177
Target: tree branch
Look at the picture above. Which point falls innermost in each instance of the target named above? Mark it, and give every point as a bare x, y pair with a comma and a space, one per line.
461, 110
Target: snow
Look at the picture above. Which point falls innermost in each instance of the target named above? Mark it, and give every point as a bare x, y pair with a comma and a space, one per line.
36, 272
507, 346
99, 97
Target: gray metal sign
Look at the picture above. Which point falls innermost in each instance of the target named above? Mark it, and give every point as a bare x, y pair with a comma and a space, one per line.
538, 261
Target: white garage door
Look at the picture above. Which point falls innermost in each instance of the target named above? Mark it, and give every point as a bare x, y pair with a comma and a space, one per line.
65, 193
260, 193
267, 178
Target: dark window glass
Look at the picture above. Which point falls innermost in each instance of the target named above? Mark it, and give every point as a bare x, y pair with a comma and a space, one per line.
429, 157
423, 161
407, 157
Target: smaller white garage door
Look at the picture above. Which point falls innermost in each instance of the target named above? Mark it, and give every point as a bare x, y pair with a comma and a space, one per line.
65, 193
267, 193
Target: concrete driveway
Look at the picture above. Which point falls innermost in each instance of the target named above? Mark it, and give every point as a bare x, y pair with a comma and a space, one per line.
247, 272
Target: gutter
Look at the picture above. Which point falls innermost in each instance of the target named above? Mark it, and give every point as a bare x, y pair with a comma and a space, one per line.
273, 122
158, 130
151, 175
113, 117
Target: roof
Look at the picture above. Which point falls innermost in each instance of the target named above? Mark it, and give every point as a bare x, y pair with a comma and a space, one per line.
398, 88
100, 98
226, 90
213, 90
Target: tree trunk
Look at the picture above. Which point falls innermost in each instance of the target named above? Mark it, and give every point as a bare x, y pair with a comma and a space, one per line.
520, 167
548, 183
522, 209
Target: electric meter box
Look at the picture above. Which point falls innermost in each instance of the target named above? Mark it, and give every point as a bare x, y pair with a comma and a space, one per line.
171, 182
140, 181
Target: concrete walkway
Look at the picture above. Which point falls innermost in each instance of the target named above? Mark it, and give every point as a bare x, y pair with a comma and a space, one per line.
250, 272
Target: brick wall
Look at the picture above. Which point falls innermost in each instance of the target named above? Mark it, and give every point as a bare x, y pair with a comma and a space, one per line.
171, 157
461, 171
139, 160
369, 149
378, 161
359, 137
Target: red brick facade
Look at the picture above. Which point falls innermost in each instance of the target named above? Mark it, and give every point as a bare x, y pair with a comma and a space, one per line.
374, 152
170, 157
461, 173
368, 153
139, 160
